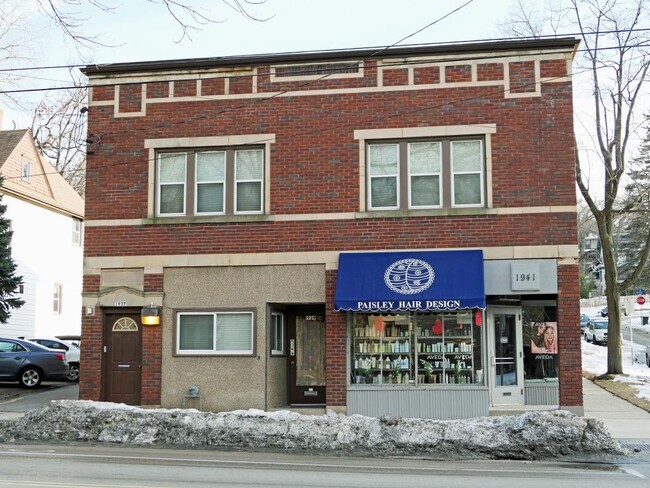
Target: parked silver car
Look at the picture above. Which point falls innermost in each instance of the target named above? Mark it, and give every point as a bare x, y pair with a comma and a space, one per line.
72, 353
29, 363
596, 331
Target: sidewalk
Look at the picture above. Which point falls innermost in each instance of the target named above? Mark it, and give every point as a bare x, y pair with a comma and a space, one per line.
623, 420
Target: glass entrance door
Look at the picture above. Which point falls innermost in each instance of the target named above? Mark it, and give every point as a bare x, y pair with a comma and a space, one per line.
506, 356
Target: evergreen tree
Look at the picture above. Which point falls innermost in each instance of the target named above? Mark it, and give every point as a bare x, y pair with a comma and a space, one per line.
9, 282
635, 216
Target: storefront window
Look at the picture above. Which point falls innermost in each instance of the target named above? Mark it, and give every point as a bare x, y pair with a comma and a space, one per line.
540, 342
417, 348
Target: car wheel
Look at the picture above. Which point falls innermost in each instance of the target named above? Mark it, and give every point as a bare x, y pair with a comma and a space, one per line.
73, 372
30, 377
647, 360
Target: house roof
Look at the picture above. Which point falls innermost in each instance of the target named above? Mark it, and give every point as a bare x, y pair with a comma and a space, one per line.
46, 187
568, 43
9, 139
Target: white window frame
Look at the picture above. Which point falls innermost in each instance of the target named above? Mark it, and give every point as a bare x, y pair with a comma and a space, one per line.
278, 334
26, 170
396, 176
440, 175
197, 183
214, 351
446, 180
392, 134
236, 182
57, 298
76, 231
481, 173
159, 185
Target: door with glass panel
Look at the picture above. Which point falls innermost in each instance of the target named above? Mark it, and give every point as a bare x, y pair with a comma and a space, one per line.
306, 356
506, 356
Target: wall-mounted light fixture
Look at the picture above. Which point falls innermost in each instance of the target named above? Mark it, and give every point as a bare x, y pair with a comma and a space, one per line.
150, 316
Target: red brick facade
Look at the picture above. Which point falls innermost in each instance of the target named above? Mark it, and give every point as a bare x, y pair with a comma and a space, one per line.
523, 99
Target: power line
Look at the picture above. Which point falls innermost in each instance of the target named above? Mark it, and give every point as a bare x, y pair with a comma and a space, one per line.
442, 43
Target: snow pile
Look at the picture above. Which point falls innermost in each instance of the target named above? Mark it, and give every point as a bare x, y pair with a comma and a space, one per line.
533, 435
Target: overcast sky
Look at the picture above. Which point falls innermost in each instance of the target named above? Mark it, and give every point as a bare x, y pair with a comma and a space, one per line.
147, 32
141, 31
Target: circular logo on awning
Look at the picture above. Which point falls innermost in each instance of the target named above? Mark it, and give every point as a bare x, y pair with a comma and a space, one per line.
409, 276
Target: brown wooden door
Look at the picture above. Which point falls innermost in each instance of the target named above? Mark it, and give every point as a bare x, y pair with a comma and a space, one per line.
306, 359
122, 356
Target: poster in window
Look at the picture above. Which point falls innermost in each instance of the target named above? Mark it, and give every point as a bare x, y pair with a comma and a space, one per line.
543, 338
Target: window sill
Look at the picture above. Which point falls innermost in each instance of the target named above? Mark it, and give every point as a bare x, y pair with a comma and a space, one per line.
434, 212
205, 219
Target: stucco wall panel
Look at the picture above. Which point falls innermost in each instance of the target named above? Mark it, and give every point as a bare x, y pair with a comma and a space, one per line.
229, 382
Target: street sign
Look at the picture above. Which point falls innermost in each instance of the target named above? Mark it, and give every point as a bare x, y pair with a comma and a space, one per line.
640, 300
639, 291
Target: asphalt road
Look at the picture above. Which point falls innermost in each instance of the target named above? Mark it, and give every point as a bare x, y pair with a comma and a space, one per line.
87, 466
14, 398
640, 335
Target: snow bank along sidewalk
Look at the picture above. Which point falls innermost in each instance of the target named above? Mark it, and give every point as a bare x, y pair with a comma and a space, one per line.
533, 435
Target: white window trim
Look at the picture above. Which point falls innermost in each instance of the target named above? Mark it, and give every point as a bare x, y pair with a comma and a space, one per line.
439, 174
236, 186
57, 298
26, 170
396, 176
274, 338
214, 351
481, 174
366, 135
196, 185
159, 186
154, 145
76, 231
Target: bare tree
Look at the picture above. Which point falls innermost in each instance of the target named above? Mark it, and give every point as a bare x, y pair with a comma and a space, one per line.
615, 52
59, 128
66, 14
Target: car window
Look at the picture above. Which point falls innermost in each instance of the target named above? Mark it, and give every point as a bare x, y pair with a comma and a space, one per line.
51, 344
10, 347
600, 325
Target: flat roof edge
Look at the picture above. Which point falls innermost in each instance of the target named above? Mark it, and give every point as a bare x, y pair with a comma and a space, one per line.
569, 43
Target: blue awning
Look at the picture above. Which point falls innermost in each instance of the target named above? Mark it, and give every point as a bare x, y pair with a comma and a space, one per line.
416, 281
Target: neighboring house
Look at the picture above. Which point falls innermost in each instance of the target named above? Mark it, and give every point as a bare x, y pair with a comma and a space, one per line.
46, 217
383, 232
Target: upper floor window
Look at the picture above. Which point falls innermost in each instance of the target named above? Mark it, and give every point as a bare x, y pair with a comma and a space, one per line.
426, 174
57, 297
26, 170
76, 232
210, 182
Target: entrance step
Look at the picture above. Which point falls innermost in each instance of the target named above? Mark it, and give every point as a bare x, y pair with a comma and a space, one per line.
518, 410
307, 410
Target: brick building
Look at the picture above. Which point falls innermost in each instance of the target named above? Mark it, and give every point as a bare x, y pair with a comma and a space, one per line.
374, 231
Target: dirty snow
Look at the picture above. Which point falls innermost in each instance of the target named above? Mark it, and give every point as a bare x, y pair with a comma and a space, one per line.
533, 435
